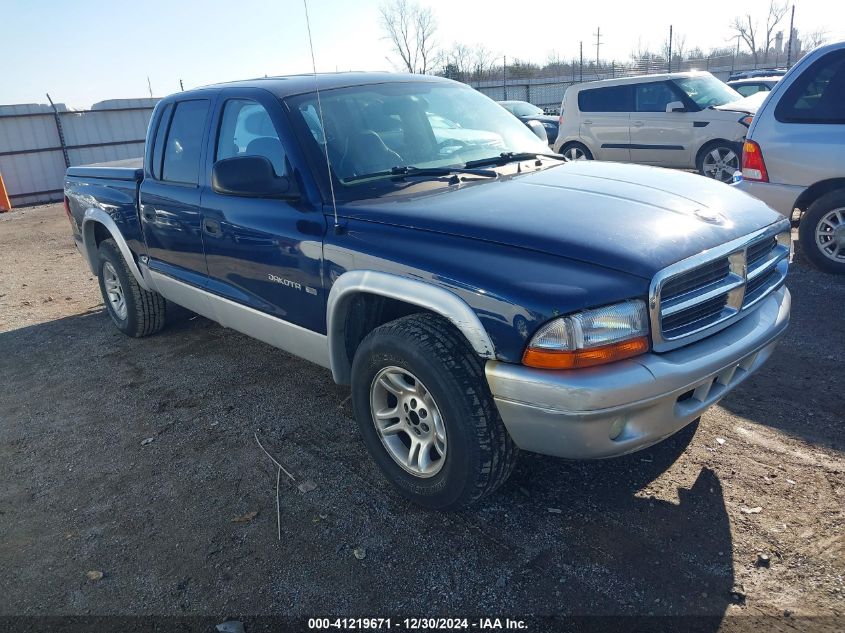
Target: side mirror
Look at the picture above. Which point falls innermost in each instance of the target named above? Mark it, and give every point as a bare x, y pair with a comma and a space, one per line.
539, 130
676, 106
251, 177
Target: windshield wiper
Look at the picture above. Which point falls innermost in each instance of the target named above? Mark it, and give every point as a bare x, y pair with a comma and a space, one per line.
404, 171
510, 157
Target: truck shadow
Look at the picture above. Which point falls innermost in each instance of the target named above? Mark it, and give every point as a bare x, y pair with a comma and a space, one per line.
597, 540
561, 538
807, 361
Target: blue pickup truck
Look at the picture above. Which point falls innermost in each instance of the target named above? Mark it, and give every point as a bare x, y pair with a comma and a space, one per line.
477, 293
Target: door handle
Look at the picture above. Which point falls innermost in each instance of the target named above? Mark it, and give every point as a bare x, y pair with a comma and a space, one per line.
149, 214
212, 227
588, 122
637, 123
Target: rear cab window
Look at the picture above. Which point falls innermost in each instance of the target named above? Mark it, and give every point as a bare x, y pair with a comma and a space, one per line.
817, 95
183, 142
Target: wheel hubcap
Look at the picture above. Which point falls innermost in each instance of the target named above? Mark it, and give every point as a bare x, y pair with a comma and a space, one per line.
830, 235
114, 291
721, 163
408, 421
575, 153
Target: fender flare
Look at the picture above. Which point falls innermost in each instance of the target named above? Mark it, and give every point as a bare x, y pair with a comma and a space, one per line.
413, 291
90, 219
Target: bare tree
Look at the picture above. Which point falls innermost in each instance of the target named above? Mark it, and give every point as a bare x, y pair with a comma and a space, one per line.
483, 59
411, 30
749, 30
776, 14
809, 41
457, 62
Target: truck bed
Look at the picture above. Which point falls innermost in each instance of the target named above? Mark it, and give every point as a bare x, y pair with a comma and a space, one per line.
130, 169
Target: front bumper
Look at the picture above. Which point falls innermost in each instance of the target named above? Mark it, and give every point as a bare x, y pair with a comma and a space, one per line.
626, 406
781, 198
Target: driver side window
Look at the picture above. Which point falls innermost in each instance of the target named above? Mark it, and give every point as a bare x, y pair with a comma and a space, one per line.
247, 130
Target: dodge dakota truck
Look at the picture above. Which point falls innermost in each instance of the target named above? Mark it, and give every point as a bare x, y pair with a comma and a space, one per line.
479, 294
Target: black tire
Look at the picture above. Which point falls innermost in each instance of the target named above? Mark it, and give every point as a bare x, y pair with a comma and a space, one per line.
588, 155
144, 310
720, 145
480, 454
810, 221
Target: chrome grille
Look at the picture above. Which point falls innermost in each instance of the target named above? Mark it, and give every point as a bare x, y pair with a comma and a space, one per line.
700, 276
699, 296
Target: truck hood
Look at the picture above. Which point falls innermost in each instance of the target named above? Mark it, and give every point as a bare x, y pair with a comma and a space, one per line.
631, 218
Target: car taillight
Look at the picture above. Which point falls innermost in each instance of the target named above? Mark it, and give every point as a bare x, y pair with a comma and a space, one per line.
560, 119
753, 166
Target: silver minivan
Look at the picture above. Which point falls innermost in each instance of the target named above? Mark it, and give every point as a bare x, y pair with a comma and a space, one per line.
794, 156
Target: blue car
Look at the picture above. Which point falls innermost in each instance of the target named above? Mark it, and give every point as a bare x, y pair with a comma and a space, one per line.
526, 112
479, 295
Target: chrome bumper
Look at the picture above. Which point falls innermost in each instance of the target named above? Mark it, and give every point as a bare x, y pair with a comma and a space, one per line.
626, 406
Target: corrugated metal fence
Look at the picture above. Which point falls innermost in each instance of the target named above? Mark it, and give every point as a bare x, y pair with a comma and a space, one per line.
37, 143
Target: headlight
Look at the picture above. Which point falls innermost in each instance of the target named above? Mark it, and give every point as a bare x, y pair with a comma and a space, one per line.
591, 337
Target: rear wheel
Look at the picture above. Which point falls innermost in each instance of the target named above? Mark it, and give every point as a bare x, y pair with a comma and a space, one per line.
426, 414
822, 233
719, 160
576, 151
135, 311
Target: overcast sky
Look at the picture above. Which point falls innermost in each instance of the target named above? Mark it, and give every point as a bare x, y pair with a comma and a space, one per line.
84, 51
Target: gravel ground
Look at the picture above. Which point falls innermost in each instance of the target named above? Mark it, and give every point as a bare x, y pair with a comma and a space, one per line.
138, 459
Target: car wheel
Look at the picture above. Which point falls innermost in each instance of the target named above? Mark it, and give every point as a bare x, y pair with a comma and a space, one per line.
136, 312
822, 233
719, 160
576, 151
426, 414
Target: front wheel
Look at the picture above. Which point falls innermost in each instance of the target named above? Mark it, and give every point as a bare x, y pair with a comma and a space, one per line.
576, 151
719, 160
822, 233
426, 414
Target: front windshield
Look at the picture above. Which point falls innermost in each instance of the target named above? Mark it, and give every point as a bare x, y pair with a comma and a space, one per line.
707, 91
373, 129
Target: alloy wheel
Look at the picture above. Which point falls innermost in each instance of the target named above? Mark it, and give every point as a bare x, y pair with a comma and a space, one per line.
408, 421
114, 291
830, 235
720, 163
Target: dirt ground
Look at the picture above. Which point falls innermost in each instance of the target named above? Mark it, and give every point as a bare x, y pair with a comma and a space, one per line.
138, 459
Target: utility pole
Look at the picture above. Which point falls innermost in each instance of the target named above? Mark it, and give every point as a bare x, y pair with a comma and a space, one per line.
505, 76
598, 43
581, 67
670, 48
789, 46
181, 86
149, 86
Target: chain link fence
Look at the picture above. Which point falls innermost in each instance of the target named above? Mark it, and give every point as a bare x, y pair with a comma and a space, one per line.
545, 87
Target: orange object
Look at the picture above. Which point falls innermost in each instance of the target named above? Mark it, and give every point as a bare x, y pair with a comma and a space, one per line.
5, 203
548, 359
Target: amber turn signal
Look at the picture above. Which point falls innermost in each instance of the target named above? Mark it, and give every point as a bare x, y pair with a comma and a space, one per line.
556, 359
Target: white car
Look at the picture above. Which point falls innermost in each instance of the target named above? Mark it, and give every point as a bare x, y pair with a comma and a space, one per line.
753, 85
684, 120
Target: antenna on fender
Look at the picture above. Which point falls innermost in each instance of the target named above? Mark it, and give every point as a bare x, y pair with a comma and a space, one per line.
322, 122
